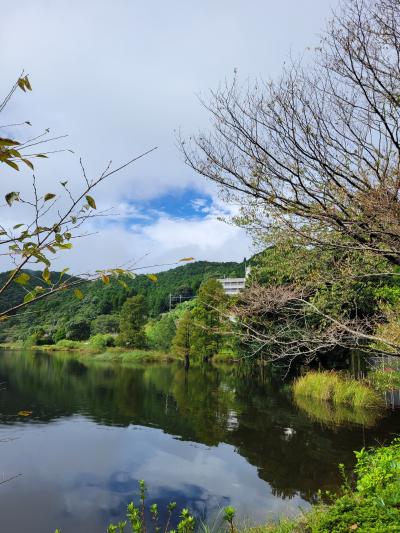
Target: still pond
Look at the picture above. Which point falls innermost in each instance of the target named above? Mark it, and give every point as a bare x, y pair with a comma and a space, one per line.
79, 437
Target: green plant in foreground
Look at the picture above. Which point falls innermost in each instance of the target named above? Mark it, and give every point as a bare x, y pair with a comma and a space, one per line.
229, 515
136, 517
372, 505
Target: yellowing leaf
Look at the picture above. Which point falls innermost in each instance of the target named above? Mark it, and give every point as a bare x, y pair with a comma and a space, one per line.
8, 142
46, 274
11, 164
27, 83
29, 297
28, 163
91, 202
152, 277
123, 284
186, 259
23, 278
78, 294
105, 278
24, 413
21, 84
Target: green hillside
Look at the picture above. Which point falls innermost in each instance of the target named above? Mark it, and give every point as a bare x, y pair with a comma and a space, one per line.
64, 310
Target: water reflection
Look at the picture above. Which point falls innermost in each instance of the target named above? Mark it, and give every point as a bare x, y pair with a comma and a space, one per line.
204, 439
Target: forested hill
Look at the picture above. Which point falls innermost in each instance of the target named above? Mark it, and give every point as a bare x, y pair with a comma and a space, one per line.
64, 309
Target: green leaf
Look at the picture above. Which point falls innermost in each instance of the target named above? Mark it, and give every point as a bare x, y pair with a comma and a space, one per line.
18, 226
78, 294
64, 245
41, 155
91, 202
29, 297
63, 272
46, 275
12, 197
49, 196
23, 278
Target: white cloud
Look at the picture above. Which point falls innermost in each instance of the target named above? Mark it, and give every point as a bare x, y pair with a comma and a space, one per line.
119, 78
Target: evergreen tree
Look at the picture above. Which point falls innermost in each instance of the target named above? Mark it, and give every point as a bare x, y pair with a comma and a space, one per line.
207, 338
181, 344
132, 320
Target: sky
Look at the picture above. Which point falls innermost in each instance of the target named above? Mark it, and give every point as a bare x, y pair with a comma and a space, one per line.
120, 77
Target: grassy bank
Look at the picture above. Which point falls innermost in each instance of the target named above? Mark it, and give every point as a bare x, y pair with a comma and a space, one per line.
336, 388
86, 351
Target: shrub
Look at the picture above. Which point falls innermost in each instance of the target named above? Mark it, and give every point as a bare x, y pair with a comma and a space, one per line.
67, 344
100, 341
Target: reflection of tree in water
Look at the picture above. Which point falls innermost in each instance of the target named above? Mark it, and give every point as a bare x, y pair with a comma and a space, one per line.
292, 452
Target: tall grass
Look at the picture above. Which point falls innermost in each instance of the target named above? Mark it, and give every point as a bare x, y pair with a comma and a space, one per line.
336, 388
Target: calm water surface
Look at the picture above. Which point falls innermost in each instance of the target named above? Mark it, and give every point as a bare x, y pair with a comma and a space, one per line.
205, 439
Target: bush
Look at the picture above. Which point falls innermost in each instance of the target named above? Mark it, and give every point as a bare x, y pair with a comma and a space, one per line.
102, 341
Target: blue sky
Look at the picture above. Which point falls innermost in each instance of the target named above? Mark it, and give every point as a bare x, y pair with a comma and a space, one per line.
121, 77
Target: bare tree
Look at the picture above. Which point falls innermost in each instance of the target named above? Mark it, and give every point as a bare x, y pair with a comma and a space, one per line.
318, 151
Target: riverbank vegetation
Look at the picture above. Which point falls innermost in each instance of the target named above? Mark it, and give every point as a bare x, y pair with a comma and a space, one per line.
336, 388
369, 501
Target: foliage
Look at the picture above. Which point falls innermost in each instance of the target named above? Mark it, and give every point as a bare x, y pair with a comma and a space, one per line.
372, 507
104, 324
77, 329
104, 300
132, 321
181, 343
137, 522
207, 334
100, 341
384, 380
336, 388
161, 332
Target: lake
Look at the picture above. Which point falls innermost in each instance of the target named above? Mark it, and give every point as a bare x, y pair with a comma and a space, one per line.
205, 439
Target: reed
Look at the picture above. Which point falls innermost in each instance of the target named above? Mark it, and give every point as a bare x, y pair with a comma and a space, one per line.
336, 388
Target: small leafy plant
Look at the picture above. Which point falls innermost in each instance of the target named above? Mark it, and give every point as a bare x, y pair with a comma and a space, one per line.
136, 518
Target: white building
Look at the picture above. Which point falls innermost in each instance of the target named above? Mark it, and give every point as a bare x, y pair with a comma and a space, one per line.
233, 286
